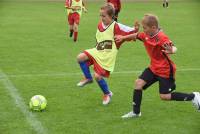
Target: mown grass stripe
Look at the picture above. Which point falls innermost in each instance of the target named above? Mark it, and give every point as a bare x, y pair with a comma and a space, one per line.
13, 91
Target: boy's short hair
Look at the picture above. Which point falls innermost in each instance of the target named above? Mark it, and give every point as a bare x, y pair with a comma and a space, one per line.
109, 9
150, 20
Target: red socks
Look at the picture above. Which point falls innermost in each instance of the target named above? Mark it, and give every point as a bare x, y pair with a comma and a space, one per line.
72, 32
75, 36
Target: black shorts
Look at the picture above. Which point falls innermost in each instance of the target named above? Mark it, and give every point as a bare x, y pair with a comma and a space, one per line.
166, 85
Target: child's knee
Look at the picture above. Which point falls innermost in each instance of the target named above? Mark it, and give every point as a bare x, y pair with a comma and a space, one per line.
81, 57
75, 27
97, 77
165, 96
139, 83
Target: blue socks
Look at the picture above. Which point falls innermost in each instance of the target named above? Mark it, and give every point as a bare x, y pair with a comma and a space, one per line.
86, 70
103, 85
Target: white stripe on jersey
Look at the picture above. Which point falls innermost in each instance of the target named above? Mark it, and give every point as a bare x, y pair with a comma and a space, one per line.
125, 28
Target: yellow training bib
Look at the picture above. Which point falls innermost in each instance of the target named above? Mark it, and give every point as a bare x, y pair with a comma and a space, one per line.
78, 4
105, 51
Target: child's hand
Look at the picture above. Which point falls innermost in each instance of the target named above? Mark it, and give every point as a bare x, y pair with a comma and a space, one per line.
118, 38
169, 48
137, 26
85, 10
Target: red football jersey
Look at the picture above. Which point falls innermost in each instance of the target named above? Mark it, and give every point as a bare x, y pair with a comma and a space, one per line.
161, 64
116, 3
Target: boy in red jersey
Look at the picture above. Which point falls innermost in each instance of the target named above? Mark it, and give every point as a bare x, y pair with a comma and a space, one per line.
74, 11
117, 6
161, 69
103, 56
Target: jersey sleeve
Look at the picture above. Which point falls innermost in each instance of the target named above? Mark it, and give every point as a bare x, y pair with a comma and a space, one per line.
141, 36
123, 30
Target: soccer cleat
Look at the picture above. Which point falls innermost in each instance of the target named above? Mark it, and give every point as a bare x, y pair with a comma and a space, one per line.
84, 82
196, 100
107, 98
131, 115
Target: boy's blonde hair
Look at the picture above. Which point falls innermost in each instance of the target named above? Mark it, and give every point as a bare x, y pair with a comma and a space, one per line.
109, 9
150, 20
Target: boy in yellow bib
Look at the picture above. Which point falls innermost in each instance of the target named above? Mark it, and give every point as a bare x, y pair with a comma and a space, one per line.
103, 56
74, 11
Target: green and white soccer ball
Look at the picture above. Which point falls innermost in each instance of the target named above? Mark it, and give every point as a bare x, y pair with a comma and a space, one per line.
38, 103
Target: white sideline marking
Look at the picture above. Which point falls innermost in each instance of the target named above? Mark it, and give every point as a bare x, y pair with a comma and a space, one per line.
76, 74
13, 91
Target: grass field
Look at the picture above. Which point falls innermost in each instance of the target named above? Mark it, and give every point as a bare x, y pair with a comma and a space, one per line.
37, 57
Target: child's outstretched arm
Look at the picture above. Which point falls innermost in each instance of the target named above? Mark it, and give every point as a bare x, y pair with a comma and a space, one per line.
84, 8
120, 38
129, 37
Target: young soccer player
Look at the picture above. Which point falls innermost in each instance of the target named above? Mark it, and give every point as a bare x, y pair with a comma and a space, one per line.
117, 6
165, 3
74, 9
103, 56
161, 69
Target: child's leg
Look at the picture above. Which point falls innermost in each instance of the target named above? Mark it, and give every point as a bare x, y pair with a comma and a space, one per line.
71, 23
137, 99
146, 79
143, 82
137, 95
177, 96
165, 3
104, 87
82, 60
71, 30
76, 23
102, 83
166, 86
75, 28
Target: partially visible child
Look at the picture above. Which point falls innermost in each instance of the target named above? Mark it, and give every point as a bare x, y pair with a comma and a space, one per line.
74, 11
103, 56
117, 6
161, 69
165, 3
